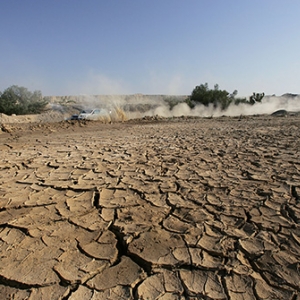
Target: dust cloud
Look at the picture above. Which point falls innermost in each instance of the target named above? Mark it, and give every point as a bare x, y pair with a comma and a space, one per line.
139, 105
268, 105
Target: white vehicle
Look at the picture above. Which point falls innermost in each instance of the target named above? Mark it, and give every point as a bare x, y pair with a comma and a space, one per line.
93, 114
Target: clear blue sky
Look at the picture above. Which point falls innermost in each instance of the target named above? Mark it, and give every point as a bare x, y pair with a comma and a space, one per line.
72, 47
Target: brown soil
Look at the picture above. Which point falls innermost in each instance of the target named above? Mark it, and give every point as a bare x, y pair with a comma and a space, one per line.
181, 208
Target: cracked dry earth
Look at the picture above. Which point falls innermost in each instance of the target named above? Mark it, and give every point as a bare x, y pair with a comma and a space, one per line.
177, 209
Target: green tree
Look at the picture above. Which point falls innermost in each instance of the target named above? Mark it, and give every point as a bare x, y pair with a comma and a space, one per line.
218, 98
20, 101
256, 97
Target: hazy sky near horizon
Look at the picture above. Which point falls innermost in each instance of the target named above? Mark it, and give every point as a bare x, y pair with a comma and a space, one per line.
90, 47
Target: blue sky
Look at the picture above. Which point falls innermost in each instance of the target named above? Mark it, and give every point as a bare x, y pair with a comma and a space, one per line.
65, 47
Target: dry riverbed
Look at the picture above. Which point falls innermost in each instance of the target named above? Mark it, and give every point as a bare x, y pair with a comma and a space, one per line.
182, 208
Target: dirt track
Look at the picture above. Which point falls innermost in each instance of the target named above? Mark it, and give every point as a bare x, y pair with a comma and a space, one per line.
185, 208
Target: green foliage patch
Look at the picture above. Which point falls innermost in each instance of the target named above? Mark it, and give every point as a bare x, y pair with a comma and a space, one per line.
202, 94
20, 101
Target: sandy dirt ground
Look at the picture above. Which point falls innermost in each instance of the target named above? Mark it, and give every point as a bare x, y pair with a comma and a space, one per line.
181, 208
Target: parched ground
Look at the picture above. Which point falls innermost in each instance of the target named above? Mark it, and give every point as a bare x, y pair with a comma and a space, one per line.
183, 208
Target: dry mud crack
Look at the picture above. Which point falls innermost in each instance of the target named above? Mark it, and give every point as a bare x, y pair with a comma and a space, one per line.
176, 209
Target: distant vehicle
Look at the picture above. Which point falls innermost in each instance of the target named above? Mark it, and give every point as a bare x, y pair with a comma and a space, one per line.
73, 117
93, 114
280, 113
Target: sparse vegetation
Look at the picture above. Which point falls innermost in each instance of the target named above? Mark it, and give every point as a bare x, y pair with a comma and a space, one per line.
172, 101
205, 96
118, 114
20, 101
218, 98
65, 100
238, 101
256, 97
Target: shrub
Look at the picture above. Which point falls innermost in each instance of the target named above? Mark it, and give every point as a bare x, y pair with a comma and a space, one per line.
203, 95
172, 101
240, 101
218, 98
256, 97
18, 100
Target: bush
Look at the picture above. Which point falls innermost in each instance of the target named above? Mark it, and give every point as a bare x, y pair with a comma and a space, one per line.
18, 100
256, 97
172, 101
218, 98
205, 96
241, 101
